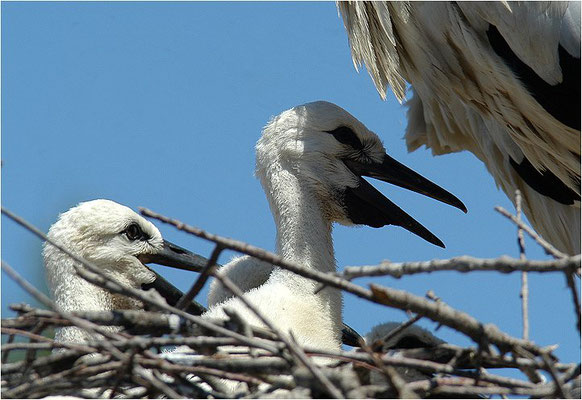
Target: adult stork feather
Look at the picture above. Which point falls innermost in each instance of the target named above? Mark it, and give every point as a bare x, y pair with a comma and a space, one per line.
500, 79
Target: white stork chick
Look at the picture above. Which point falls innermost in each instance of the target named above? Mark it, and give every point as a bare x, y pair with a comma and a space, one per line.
499, 79
117, 240
310, 161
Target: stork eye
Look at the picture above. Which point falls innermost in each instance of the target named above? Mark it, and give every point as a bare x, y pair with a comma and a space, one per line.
134, 232
345, 135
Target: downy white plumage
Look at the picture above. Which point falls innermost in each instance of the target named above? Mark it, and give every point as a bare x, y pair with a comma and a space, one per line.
119, 241
310, 161
245, 271
499, 79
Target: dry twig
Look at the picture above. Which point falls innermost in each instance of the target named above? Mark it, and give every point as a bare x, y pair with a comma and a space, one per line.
130, 364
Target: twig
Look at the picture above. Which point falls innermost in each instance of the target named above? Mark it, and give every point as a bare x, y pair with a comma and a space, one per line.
524, 292
532, 374
446, 315
73, 346
541, 391
218, 369
161, 386
550, 250
559, 383
5, 353
575, 298
208, 270
125, 366
398, 329
463, 264
34, 292
392, 375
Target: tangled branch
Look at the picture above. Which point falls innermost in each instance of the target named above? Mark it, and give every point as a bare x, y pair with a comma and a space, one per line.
230, 358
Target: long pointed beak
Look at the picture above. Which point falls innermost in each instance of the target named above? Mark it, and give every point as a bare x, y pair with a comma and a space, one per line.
172, 294
175, 256
392, 171
366, 205
178, 257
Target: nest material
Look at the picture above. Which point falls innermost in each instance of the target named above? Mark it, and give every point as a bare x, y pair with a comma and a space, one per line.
132, 363
229, 358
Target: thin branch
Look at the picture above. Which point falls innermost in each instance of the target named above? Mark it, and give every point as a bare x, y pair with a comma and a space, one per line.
208, 270
524, 292
396, 331
550, 368
34, 292
550, 250
575, 298
446, 315
463, 264
392, 375
5, 353
542, 391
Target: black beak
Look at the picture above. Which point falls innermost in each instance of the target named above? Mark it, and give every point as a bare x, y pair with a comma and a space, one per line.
366, 205
172, 294
175, 256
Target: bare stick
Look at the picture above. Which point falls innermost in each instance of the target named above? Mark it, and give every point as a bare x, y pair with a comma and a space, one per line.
462, 264
208, 270
393, 376
400, 328
533, 375
541, 391
575, 298
34, 292
550, 250
446, 315
550, 368
5, 353
524, 292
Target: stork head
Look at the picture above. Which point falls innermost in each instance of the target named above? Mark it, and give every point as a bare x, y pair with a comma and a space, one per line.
115, 238
330, 151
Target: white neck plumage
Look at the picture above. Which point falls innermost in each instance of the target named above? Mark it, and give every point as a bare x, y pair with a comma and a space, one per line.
73, 293
303, 235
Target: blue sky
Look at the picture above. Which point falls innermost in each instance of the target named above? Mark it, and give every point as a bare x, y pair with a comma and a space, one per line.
160, 105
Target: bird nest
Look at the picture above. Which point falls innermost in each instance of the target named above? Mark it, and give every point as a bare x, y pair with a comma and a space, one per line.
130, 354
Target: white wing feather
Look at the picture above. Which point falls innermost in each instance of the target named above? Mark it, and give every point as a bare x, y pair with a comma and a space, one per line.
466, 98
